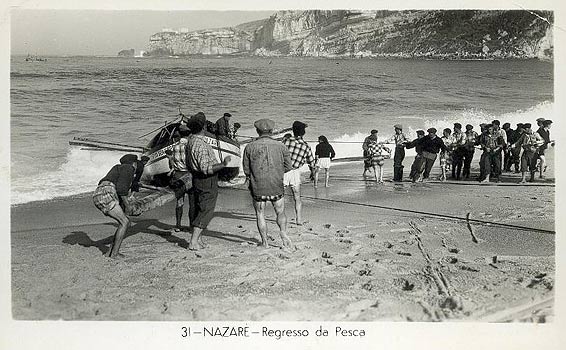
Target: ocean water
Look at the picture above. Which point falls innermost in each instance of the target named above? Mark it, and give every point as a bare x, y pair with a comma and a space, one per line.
120, 99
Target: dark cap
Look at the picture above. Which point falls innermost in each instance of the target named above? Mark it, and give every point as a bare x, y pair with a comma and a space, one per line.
546, 122
527, 125
264, 125
540, 119
227, 114
431, 130
398, 126
458, 125
299, 125
420, 132
374, 131
197, 122
128, 159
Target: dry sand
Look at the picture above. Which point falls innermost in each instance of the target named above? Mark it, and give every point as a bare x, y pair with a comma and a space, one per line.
353, 262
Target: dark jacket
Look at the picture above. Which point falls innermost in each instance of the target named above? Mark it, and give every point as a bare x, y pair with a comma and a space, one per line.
431, 145
265, 160
121, 175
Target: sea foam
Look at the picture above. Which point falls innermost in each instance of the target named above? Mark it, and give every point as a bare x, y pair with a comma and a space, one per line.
82, 168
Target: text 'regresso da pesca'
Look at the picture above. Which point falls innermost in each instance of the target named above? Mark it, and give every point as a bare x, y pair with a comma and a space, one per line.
275, 333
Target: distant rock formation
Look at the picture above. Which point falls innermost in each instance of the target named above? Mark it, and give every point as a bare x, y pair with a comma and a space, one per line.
443, 34
127, 53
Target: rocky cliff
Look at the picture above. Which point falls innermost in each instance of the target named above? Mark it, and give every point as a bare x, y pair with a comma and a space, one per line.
454, 34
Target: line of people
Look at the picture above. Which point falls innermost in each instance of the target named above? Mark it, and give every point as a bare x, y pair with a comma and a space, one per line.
502, 148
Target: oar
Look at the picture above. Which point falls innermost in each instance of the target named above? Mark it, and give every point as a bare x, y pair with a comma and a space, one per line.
161, 127
180, 115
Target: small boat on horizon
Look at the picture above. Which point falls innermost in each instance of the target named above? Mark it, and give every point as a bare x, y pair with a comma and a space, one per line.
31, 58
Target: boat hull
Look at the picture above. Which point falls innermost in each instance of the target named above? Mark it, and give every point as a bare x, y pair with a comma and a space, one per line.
159, 164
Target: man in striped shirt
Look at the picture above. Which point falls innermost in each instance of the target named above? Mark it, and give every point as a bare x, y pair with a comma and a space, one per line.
301, 153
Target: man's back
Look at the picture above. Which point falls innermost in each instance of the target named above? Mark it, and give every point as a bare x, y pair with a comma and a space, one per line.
265, 160
300, 151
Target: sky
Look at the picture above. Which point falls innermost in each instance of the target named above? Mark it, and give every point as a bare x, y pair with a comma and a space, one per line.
106, 32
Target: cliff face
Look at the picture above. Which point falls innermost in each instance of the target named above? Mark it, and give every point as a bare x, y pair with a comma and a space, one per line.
341, 33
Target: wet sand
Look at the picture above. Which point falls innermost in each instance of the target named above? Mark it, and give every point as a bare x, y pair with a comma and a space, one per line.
354, 261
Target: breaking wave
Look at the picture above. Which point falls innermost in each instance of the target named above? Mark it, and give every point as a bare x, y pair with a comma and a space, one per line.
82, 169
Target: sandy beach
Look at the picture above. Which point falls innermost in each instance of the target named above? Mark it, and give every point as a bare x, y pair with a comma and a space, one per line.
357, 259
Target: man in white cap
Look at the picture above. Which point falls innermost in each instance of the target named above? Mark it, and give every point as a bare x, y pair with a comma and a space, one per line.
265, 161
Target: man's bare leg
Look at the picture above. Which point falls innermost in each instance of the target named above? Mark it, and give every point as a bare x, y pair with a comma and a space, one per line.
195, 243
542, 166
298, 204
179, 213
279, 207
123, 223
261, 224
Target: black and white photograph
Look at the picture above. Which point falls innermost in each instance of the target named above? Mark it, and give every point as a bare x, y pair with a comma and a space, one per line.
283, 167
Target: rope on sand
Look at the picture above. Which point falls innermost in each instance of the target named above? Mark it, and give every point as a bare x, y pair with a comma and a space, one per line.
451, 217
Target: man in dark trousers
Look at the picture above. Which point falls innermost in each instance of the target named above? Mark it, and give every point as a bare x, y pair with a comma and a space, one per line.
204, 168
430, 145
418, 162
491, 143
459, 140
399, 139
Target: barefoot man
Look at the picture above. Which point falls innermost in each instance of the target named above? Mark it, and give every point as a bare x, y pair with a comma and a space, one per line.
111, 194
301, 153
204, 168
265, 160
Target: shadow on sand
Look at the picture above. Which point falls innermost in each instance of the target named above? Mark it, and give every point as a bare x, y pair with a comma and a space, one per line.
154, 227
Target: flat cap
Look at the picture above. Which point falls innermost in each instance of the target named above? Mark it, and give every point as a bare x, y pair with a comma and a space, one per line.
299, 125
227, 114
264, 125
431, 130
198, 119
540, 119
527, 125
398, 126
128, 159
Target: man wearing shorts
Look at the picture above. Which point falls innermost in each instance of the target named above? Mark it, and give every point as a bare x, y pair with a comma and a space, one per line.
301, 153
111, 194
544, 132
265, 162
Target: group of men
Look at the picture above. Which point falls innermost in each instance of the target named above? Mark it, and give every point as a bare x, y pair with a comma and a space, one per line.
502, 148
268, 164
191, 155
